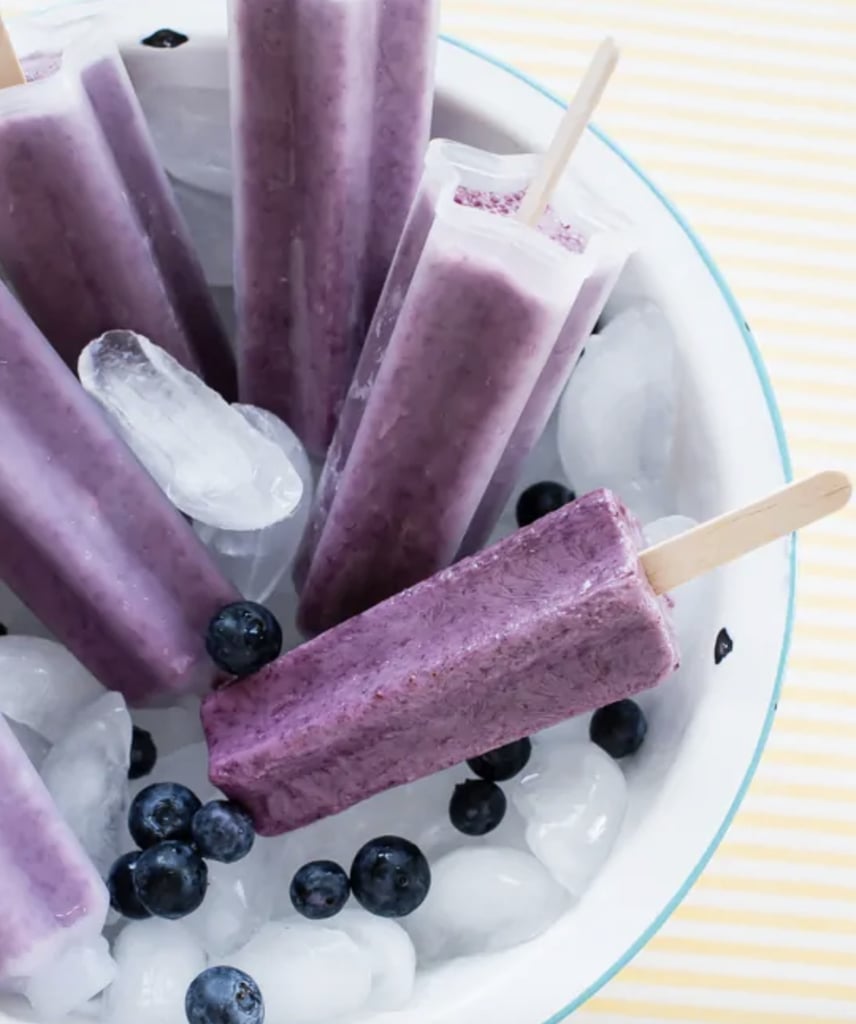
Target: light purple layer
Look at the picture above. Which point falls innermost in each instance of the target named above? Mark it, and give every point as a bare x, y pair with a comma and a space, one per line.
555, 620
329, 119
47, 883
87, 539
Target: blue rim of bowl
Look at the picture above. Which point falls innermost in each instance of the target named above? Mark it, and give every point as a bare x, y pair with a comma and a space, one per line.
781, 439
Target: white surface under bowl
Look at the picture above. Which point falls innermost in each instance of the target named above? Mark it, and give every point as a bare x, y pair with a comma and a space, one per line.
708, 723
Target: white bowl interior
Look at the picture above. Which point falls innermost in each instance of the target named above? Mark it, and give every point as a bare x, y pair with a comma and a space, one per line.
707, 723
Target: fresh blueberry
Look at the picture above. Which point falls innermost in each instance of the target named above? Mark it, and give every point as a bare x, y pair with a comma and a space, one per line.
224, 995
243, 637
223, 831
165, 39
723, 646
619, 728
160, 812
144, 754
320, 889
390, 876
120, 885
477, 807
170, 880
540, 500
504, 763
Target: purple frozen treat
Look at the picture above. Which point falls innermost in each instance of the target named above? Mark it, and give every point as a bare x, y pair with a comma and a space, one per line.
71, 244
126, 131
54, 903
555, 620
330, 115
87, 539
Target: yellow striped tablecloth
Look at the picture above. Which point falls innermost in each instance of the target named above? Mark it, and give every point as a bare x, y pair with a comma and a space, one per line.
744, 113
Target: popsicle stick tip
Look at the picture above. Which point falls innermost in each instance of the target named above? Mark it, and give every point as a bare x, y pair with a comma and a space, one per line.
730, 536
11, 72
569, 132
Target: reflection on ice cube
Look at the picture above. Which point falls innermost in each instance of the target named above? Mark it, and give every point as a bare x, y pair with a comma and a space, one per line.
618, 414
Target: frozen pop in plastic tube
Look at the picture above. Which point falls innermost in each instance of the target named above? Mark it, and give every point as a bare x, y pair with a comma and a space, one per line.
331, 114
476, 332
559, 618
54, 903
87, 539
90, 236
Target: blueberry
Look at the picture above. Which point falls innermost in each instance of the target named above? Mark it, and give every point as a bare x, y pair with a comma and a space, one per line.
504, 763
170, 880
477, 807
165, 39
390, 876
320, 889
144, 754
224, 995
723, 646
619, 728
541, 499
223, 831
120, 885
243, 637
160, 812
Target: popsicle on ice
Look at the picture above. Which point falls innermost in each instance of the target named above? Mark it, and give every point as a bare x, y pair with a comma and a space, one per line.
54, 903
87, 539
559, 618
478, 328
331, 114
90, 237
554, 620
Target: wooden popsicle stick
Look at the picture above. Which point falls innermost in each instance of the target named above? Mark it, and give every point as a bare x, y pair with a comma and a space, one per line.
569, 132
734, 534
11, 72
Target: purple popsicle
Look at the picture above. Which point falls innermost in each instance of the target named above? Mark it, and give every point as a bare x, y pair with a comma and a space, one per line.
554, 620
330, 123
87, 539
54, 904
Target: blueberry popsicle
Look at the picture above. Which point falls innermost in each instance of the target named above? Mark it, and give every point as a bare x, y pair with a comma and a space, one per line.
331, 113
71, 243
87, 539
555, 620
474, 307
54, 903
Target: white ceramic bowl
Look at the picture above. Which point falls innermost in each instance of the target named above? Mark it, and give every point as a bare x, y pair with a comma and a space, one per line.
709, 723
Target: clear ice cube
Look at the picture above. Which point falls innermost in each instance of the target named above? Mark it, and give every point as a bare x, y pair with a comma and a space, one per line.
86, 773
257, 560
42, 685
392, 956
483, 899
208, 458
157, 961
573, 797
618, 414
34, 745
308, 973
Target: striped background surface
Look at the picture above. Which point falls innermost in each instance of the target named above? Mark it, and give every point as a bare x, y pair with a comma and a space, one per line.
744, 112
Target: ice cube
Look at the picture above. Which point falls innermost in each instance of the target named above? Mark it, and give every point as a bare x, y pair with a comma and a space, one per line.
171, 728
157, 961
618, 414
257, 560
208, 458
237, 902
35, 746
573, 797
308, 973
392, 956
691, 600
86, 773
483, 899
42, 685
